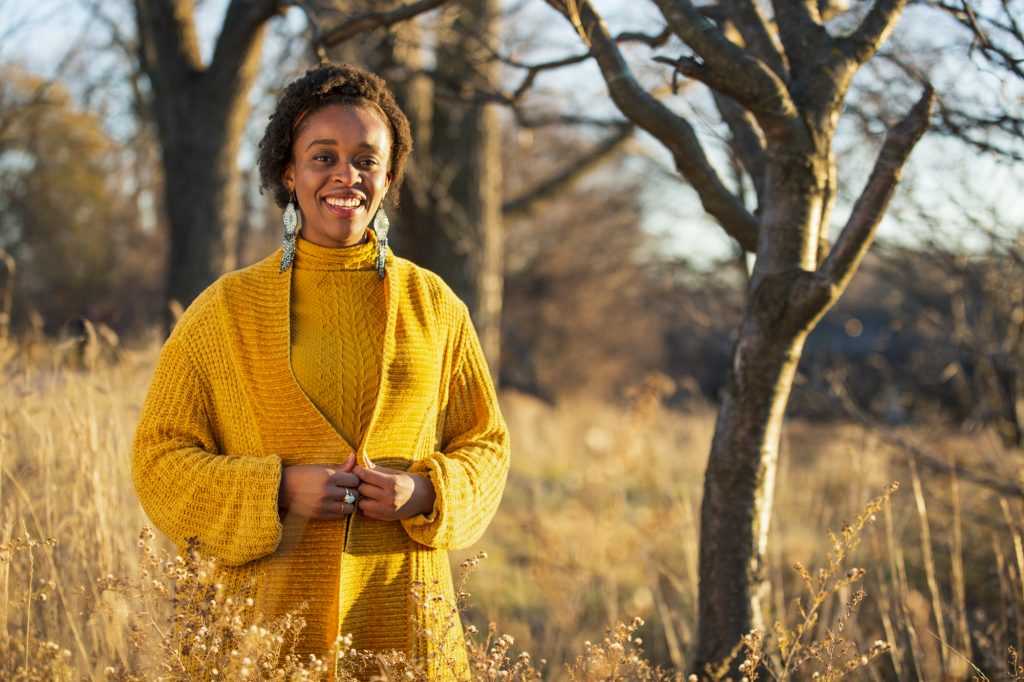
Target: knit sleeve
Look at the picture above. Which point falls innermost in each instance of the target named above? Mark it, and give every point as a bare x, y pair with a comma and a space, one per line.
188, 488
469, 471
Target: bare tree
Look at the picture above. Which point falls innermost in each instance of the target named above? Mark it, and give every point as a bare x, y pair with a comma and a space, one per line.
780, 89
68, 215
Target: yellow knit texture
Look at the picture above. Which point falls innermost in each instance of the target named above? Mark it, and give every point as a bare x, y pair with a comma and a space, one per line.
226, 411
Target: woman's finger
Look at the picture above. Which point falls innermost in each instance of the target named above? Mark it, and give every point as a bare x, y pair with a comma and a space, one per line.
378, 475
368, 491
350, 462
374, 510
344, 479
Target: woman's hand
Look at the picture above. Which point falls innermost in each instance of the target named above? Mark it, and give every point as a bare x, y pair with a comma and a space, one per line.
317, 491
390, 494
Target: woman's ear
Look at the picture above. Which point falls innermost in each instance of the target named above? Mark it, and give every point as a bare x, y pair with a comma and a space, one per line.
288, 177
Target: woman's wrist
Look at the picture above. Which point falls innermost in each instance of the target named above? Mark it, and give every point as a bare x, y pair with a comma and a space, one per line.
426, 494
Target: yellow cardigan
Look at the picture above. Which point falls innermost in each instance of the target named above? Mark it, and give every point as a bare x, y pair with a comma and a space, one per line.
224, 414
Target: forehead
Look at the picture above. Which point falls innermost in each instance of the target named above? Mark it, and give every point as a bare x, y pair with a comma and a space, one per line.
344, 123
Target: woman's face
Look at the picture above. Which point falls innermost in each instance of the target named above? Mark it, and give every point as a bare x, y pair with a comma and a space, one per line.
339, 172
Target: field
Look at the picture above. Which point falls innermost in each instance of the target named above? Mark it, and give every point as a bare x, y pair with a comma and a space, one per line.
598, 526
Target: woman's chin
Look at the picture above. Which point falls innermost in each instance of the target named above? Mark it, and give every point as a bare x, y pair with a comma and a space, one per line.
336, 239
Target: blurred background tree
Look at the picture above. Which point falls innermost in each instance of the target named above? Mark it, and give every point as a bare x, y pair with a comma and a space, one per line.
68, 216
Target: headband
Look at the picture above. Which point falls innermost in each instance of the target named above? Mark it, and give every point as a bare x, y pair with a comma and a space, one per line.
355, 101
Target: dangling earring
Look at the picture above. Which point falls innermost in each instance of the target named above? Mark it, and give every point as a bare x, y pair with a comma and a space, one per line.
380, 228
292, 224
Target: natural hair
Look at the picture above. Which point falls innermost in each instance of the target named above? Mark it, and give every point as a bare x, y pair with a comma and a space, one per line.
329, 84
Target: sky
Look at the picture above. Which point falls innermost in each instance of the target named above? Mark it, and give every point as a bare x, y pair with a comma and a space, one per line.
941, 174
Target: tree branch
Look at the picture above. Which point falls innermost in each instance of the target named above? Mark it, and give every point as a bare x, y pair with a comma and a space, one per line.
530, 200
525, 121
169, 47
370, 20
856, 237
243, 23
649, 40
747, 141
731, 70
812, 54
862, 44
534, 70
972, 129
670, 129
748, 18
800, 30
990, 34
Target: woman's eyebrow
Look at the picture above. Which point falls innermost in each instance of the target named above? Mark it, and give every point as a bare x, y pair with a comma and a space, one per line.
330, 142
320, 141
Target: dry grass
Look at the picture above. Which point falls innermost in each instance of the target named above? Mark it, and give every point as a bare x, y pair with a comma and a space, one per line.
598, 527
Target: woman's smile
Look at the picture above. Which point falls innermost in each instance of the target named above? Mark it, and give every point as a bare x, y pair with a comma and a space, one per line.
345, 204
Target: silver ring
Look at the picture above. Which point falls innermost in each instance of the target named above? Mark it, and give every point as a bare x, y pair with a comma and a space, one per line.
349, 497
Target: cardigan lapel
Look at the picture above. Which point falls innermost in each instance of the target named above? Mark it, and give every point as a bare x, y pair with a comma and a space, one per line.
391, 301
291, 426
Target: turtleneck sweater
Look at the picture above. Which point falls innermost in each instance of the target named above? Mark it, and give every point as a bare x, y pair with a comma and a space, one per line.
338, 316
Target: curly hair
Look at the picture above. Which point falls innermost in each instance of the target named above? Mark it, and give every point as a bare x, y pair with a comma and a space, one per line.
329, 84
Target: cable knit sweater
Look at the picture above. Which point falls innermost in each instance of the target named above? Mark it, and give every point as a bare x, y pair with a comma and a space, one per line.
240, 391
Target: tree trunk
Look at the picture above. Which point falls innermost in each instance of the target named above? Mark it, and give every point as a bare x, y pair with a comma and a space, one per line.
785, 300
200, 112
451, 219
739, 488
204, 208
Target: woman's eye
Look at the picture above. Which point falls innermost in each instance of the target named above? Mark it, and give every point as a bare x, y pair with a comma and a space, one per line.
368, 163
323, 157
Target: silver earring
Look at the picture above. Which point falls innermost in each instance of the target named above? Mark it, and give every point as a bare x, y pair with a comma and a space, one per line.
380, 228
292, 224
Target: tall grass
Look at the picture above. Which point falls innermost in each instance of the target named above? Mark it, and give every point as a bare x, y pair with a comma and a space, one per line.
598, 527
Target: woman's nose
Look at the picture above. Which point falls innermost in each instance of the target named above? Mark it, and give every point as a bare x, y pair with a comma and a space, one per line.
346, 173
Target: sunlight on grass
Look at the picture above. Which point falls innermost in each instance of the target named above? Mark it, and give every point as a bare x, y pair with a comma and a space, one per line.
592, 568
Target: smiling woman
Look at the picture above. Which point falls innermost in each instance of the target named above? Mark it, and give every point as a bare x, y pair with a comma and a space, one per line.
339, 172
280, 380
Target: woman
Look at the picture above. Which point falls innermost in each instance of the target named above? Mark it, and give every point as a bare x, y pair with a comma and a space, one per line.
323, 422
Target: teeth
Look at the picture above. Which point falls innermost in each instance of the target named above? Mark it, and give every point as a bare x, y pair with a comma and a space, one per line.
347, 202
